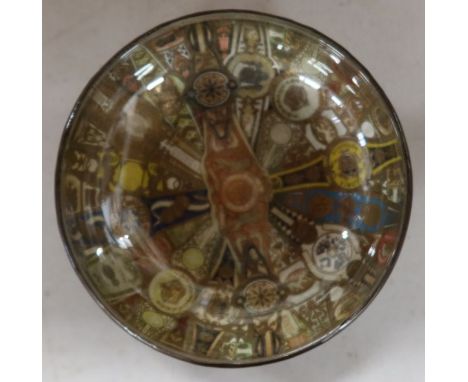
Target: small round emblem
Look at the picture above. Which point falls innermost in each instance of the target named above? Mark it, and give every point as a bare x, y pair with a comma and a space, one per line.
172, 291
297, 98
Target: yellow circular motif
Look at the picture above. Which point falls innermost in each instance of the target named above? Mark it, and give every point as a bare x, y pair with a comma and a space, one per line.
153, 319
130, 176
193, 258
172, 291
349, 165
158, 321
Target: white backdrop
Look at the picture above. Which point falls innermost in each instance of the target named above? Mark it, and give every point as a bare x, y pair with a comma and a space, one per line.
80, 343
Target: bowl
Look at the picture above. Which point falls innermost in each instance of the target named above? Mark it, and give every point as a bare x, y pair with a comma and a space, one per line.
233, 188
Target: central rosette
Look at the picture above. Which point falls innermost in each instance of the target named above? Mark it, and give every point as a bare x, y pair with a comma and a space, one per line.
240, 192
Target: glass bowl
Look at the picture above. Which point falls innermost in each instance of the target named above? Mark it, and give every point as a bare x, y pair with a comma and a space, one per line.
233, 188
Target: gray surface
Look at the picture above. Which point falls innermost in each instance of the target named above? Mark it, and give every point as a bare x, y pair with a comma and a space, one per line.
385, 344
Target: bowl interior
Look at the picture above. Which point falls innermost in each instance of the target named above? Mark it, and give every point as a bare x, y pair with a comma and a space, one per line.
233, 188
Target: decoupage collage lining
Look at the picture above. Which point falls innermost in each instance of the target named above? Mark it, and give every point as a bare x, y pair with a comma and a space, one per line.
232, 189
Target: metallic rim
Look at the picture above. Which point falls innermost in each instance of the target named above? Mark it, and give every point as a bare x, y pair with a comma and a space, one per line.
193, 358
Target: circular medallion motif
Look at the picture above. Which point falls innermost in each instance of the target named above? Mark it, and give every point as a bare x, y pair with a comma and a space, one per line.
253, 73
261, 296
193, 258
172, 291
297, 98
331, 253
239, 192
349, 166
211, 89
